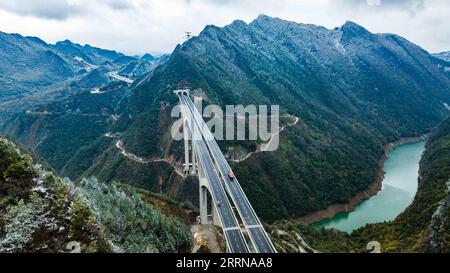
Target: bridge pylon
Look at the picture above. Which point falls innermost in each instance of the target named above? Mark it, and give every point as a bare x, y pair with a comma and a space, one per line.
191, 167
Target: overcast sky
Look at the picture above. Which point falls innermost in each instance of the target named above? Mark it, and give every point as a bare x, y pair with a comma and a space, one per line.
139, 26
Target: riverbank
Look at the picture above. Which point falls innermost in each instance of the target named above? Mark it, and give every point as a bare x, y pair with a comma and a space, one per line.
373, 189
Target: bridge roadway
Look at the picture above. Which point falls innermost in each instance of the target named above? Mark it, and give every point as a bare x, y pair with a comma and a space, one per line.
116, 76
254, 228
230, 225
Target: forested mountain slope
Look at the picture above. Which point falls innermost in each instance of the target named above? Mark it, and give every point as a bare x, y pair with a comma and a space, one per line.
40, 212
353, 91
425, 225
56, 110
28, 64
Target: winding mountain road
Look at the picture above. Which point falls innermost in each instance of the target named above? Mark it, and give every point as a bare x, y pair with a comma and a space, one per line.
268, 143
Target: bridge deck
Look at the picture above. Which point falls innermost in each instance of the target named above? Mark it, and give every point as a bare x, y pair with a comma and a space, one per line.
256, 231
233, 235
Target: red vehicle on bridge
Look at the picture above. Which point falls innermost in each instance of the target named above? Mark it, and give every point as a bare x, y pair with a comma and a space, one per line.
231, 175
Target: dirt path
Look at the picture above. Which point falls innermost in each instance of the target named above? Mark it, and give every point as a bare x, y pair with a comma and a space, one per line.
140, 160
135, 158
258, 150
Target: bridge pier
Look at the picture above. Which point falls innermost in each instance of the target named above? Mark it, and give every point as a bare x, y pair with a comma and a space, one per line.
186, 147
190, 154
203, 205
215, 216
194, 160
203, 196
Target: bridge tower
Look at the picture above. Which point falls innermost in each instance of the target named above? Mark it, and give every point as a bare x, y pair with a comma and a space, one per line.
190, 161
191, 166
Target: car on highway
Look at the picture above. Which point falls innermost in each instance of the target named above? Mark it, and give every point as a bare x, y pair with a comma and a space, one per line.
218, 204
231, 175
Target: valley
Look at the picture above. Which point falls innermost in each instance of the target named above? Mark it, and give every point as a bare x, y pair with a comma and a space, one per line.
373, 190
422, 227
347, 97
399, 187
339, 128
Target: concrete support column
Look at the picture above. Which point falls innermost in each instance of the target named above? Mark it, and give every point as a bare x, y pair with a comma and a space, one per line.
193, 156
203, 196
216, 220
186, 147
203, 205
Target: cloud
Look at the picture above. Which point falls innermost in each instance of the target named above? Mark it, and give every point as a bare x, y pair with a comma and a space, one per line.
118, 4
48, 9
139, 26
61, 9
411, 6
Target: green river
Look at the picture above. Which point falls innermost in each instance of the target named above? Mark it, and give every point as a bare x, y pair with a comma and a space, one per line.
398, 191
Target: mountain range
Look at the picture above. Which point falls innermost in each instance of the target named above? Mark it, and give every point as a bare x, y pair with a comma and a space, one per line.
28, 64
443, 56
353, 92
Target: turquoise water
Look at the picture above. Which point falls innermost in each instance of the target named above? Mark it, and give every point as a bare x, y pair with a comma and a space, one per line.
398, 191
